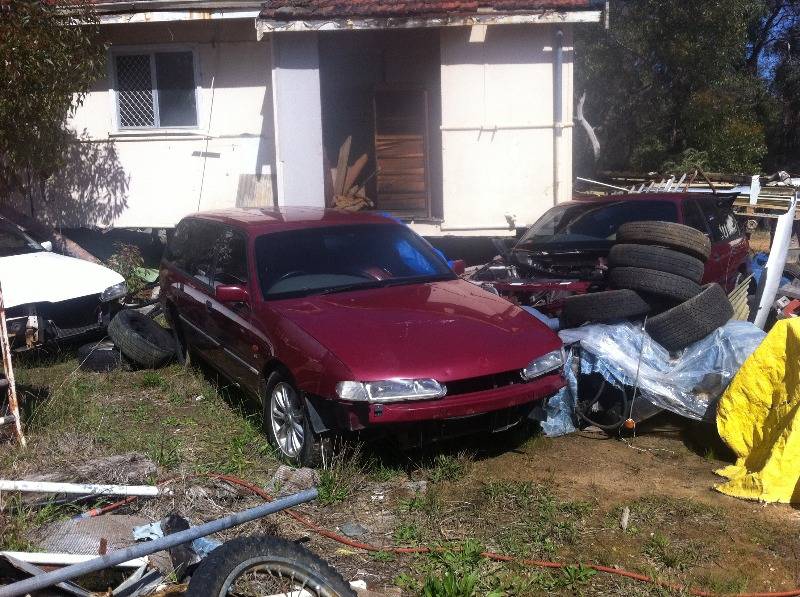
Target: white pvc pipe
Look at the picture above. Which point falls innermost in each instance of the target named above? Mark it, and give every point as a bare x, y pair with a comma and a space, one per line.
82, 488
65, 559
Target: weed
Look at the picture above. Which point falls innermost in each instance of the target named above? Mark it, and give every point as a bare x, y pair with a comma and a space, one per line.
377, 470
447, 467
383, 556
152, 379
331, 489
450, 585
575, 576
126, 260
427, 503
166, 451
406, 533
665, 553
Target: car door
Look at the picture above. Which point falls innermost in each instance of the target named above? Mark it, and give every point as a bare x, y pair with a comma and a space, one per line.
728, 245
231, 322
192, 248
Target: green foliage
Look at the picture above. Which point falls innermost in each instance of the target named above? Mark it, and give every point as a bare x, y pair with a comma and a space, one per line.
126, 261
52, 53
672, 80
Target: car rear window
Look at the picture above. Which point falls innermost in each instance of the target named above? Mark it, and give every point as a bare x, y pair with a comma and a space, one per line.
338, 258
585, 222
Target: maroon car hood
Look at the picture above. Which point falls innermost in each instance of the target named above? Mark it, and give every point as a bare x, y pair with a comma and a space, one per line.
445, 330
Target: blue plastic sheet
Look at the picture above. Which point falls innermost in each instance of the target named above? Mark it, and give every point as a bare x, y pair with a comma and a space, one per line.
688, 384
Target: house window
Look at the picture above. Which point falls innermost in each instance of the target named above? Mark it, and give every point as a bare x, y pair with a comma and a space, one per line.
155, 90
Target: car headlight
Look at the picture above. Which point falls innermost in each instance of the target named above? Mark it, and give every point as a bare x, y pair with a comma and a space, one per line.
390, 390
544, 364
114, 292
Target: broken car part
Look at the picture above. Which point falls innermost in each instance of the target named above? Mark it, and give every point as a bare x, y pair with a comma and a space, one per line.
150, 547
266, 566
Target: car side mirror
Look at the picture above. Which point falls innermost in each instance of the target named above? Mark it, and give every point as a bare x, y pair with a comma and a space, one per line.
231, 294
458, 266
47, 245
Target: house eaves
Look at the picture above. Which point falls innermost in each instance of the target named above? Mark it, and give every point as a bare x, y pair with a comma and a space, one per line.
321, 15
146, 11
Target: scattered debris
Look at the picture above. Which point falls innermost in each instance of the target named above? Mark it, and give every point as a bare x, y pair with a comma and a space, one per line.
13, 569
624, 519
353, 529
288, 480
139, 550
84, 536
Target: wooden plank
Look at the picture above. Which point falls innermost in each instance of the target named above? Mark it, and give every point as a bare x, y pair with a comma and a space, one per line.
354, 171
392, 165
11, 391
341, 166
400, 185
400, 202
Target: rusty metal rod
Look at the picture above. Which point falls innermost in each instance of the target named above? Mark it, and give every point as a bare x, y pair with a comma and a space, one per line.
147, 548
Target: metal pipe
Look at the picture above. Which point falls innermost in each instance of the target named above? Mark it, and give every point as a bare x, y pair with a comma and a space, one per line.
601, 184
82, 488
150, 547
558, 110
491, 128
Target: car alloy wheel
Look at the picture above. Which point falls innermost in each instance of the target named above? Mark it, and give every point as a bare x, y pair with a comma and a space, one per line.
287, 419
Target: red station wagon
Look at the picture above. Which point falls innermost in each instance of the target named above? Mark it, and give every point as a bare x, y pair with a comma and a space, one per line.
342, 322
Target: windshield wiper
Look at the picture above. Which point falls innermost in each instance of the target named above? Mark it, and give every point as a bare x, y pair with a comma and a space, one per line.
346, 287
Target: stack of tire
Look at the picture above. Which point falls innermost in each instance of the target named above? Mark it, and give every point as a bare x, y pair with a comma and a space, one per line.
655, 270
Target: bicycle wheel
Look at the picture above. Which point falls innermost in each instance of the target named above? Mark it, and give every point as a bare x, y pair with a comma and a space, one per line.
265, 566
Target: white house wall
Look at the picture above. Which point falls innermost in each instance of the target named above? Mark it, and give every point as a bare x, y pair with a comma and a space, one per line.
157, 177
497, 128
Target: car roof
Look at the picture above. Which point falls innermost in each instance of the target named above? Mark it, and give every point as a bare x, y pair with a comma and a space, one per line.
261, 220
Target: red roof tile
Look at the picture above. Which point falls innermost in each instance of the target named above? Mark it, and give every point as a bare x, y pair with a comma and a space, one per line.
326, 9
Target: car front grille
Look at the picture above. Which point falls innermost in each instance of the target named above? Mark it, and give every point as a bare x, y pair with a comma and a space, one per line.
484, 383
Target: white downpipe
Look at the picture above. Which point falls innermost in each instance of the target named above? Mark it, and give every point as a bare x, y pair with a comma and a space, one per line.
65, 559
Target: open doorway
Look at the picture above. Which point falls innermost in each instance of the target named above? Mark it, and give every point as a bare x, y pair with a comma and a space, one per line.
382, 90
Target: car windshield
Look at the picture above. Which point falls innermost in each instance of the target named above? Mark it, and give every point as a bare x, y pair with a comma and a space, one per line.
339, 258
592, 223
15, 242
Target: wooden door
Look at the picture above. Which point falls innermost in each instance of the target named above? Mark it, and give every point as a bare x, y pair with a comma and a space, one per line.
401, 151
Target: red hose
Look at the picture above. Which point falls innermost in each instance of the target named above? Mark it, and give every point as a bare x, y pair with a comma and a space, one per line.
487, 554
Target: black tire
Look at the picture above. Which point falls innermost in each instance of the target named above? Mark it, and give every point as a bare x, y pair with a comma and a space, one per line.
309, 452
100, 357
218, 571
657, 258
602, 306
692, 320
652, 282
141, 339
666, 234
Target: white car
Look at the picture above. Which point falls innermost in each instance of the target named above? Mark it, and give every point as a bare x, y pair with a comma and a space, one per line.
50, 297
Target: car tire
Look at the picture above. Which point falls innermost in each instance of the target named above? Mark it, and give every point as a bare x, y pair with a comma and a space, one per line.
100, 357
602, 306
666, 234
278, 557
692, 320
141, 340
652, 282
283, 405
657, 258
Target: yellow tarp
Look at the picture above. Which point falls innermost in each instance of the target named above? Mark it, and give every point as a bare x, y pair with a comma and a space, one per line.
759, 418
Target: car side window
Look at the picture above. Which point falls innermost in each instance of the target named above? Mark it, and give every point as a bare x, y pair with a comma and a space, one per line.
231, 263
693, 216
192, 248
721, 221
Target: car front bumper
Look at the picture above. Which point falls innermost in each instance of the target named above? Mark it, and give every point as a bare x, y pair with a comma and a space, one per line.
449, 411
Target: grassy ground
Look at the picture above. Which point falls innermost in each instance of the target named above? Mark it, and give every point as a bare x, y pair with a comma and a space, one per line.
530, 497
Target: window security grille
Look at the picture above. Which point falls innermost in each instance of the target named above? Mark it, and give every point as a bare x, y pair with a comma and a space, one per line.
156, 90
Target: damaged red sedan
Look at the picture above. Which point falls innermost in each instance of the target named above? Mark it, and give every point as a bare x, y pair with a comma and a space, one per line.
342, 322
